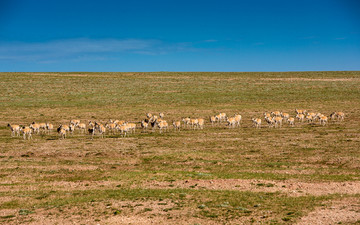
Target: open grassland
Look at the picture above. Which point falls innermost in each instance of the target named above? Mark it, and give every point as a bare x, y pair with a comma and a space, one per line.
302, 174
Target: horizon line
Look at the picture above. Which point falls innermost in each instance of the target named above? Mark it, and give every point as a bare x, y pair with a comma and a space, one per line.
160, 71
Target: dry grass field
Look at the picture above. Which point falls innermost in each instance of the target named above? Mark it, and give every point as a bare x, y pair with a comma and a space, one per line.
306, 174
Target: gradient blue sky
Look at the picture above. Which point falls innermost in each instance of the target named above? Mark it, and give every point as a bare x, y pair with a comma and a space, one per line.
197, 35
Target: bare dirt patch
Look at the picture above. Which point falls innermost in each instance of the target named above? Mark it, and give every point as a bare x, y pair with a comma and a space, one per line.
290, 187
143, 220
292, 79
339, 211
109, 212
63, 185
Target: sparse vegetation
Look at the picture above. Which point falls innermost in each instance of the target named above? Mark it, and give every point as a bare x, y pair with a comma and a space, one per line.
210, 175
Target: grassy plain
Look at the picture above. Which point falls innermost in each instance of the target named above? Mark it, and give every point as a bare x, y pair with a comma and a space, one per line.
210, 176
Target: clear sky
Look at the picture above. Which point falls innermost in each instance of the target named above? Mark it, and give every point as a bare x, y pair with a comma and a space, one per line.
179, 35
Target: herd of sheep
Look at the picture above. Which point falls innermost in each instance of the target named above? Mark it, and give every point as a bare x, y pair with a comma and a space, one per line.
273, 119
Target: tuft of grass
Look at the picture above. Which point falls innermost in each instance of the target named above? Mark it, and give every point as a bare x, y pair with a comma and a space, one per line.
25, 212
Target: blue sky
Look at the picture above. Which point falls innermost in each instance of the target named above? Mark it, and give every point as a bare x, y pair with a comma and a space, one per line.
197, 35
